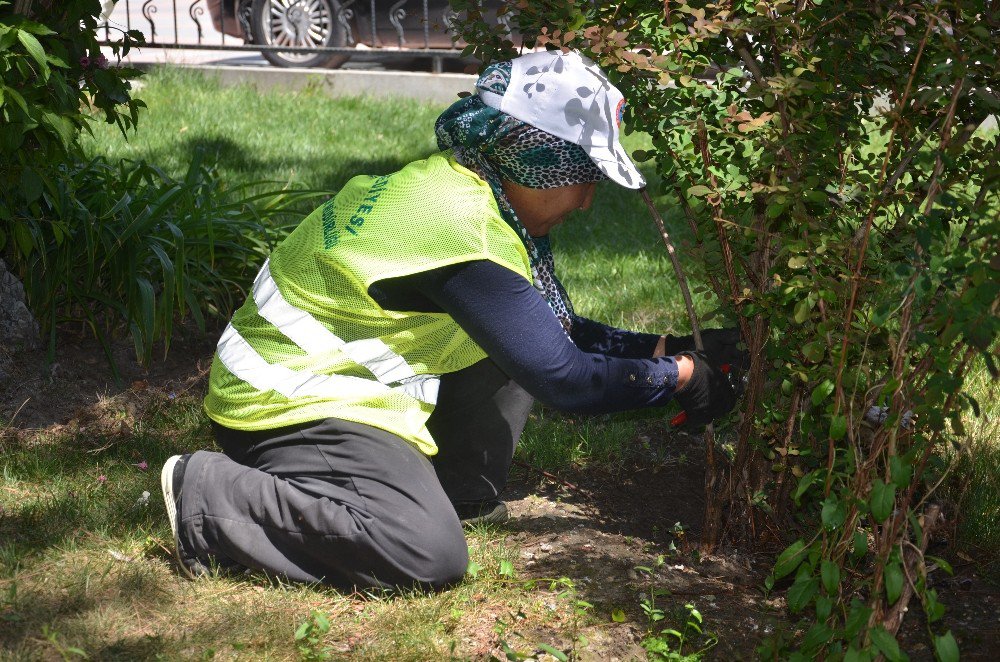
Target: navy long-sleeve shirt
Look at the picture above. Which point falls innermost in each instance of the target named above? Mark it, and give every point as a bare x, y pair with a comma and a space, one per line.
598, 369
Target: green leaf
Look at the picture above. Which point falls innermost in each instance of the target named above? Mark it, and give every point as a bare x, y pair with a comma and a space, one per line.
860, 544
789, 559
838, 427
37, 28
506, 569
804, 484
834, 512
797, 261
893, 582
882, 499
946, 647
802, 592
61, 126
818, 634
699, 191
554, 652
887, 644
830, 572
17, 98
618, 616
900, 472
473, 569
855, 655
31, 185
944, 565
35, 50
22, 237
802, 310
822, 392
814, 350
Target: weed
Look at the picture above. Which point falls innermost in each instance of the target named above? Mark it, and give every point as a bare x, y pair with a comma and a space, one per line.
64, 651
668, 643
309, 637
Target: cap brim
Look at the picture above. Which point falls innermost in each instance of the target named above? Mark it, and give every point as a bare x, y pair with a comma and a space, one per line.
617, 166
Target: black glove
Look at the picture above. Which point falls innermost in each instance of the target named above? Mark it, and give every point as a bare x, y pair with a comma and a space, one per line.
721, 347
708, 395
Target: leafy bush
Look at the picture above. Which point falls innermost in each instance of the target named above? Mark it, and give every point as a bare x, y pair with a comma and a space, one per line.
53, 78
123, 245
112, 245
843, 200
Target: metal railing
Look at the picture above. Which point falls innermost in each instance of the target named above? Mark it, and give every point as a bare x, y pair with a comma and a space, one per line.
364, 31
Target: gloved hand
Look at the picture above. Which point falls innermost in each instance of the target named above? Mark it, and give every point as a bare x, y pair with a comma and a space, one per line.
708, 394
721, 347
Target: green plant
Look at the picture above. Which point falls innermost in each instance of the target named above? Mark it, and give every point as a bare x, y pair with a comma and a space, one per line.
841, 200
309, 637
123, 245
53, 77
660, 645
64, 651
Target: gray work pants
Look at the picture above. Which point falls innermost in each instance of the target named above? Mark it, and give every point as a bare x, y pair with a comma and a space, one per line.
351, 505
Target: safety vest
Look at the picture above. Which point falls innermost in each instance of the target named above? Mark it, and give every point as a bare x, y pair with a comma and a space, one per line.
310, 343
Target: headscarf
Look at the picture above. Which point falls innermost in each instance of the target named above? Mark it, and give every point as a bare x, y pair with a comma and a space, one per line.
497, 146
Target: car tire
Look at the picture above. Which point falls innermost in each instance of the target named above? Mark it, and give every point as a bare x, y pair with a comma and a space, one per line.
280, 23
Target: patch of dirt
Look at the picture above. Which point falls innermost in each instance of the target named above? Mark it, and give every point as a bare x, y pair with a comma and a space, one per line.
612, 533
36, 394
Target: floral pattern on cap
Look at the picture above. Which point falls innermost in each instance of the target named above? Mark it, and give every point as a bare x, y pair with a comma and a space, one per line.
498, 146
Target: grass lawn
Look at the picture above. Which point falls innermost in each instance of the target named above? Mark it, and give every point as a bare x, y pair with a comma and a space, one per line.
588, 570
84, 551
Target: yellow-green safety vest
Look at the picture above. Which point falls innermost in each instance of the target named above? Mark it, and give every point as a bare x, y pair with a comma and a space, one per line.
310, 343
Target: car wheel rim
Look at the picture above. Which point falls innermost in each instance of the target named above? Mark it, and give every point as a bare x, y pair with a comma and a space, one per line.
302, 23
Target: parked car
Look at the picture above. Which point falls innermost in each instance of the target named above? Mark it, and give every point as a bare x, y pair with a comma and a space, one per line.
336, 23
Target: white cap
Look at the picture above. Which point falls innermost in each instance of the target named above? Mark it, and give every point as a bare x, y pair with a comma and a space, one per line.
567, 95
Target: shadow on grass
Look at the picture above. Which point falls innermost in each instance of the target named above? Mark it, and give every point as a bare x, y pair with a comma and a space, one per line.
242, 165
72, 501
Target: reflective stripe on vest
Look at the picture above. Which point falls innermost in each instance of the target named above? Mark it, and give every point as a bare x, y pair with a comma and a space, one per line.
243, 361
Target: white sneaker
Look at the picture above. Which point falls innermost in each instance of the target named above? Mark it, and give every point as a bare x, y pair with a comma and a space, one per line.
169, 498
171, 493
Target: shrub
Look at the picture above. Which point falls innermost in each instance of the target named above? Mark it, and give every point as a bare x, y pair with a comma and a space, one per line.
53, 78
116, 246
125, 246
828, 160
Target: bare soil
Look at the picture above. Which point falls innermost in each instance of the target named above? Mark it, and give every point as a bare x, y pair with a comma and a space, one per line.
611, 532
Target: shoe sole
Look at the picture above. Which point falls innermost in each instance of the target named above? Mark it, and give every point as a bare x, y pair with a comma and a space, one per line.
498, 515
167, 485
170, 501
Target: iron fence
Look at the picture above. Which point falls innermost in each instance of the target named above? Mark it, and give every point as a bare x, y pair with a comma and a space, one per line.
284, 30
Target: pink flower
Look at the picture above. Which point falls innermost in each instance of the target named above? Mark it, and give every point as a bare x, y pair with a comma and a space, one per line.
85, 62
102, 479
101, 62
143, 465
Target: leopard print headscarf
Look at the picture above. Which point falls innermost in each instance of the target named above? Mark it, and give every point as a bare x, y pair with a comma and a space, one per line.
498, 146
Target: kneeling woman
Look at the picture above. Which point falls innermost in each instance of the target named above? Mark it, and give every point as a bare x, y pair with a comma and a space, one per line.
368, 396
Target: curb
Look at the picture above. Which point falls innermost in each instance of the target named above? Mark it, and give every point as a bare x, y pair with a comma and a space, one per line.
427, 87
